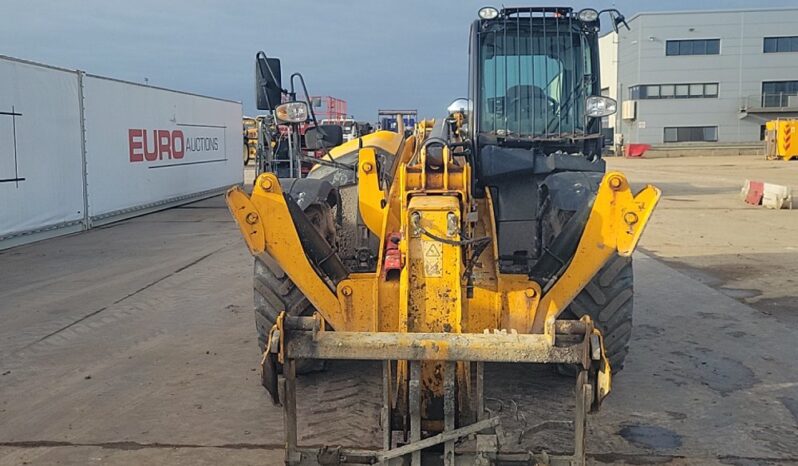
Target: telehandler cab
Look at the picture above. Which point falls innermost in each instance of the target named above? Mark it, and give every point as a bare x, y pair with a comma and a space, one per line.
494, 234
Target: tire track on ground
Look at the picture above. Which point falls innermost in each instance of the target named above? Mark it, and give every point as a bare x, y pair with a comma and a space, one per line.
120, 300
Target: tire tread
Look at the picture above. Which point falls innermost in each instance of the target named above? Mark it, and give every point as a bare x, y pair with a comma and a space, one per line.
609, 300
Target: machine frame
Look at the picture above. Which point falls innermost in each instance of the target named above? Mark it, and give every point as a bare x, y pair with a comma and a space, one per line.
438, 305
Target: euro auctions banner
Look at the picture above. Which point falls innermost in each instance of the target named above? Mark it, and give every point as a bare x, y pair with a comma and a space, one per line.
185, 145
147, 145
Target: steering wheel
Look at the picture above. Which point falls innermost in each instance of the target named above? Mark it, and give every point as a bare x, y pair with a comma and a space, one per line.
528, 102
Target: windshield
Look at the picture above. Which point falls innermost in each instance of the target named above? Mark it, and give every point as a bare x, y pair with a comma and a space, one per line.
535, 76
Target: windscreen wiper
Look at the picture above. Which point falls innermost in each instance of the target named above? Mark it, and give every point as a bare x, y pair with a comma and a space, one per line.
566, 105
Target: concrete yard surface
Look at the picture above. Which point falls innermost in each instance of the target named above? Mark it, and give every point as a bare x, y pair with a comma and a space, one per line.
135, 344
703, 227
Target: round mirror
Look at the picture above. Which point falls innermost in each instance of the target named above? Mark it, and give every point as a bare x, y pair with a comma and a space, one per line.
459, 105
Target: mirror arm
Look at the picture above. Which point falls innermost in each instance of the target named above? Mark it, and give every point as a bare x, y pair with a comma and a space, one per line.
307, 96
617, 18
316, 123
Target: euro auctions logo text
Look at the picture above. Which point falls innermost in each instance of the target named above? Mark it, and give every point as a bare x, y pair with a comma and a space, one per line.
163, 144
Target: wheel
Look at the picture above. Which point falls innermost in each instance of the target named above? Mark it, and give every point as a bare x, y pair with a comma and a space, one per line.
274, 291
246, 154
609, 300
321, 217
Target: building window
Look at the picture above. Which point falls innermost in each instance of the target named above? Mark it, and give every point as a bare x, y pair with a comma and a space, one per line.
674, 91
780, 44
777, 93
692, 47
691, 134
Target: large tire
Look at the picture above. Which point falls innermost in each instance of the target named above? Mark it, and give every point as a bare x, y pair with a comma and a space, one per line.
609, 300
274, 291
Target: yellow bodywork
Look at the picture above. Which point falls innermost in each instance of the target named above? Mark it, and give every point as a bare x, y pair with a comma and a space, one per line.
428, 296
388, 141
781, 139
250, 137
444, 304
500, 301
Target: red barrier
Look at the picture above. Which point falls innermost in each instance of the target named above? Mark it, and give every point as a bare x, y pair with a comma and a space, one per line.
636, 150
754, 191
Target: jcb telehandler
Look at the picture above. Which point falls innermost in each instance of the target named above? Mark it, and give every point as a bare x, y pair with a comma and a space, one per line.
491, 235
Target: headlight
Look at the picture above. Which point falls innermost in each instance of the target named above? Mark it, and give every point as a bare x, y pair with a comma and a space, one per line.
292, 112
488, 12
588, 15
599, 106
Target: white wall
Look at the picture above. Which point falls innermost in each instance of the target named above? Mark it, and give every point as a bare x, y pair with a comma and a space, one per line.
41, 180
77, 150
195, 142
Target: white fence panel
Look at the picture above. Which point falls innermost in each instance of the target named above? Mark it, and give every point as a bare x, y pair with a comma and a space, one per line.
41, 166
146, 147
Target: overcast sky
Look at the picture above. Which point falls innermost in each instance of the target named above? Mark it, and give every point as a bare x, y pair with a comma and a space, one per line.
372, 53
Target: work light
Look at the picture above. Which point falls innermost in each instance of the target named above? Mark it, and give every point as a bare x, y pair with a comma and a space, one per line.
599, 106
588, 15
488, 12
292, 112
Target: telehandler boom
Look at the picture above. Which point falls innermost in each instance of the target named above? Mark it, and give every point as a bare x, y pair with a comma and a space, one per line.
470, 241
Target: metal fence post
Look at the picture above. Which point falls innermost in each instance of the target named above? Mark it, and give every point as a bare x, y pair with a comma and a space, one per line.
84, 169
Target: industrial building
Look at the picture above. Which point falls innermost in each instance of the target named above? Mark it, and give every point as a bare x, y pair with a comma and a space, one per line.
701, 79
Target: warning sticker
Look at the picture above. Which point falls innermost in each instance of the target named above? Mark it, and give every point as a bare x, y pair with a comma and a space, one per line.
433, 259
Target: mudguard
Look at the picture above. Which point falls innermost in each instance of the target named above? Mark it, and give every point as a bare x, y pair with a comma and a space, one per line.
572, 191
309, 191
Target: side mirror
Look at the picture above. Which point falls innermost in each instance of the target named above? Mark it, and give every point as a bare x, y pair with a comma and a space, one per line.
268, 88
324, 137
459, 105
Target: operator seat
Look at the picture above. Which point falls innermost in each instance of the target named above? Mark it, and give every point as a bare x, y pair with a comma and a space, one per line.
527, 106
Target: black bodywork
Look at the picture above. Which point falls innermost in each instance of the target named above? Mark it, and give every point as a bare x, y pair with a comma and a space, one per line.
542, 185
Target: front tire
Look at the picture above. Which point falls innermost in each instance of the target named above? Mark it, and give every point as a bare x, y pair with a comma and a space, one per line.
609, 301
274, 292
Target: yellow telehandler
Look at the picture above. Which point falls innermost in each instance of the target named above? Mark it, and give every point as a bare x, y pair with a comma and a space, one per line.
250, 132
491, 235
